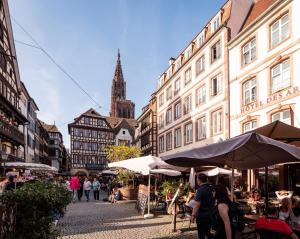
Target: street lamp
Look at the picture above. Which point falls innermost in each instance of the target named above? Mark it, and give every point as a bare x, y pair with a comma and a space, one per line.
4, 157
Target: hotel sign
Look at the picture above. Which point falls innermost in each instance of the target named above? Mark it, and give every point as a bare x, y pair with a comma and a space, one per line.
275, 97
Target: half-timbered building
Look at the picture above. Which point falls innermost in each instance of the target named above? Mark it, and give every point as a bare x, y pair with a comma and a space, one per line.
11, 118
90, 135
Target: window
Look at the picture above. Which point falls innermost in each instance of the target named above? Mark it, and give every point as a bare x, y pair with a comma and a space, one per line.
284, 116
169, 93
76, 145
161, 100
87, 120
188, 131
201, 128
249, 52
281, 76
94, 134
178, 64
94, 146
177, 86
216, 52
177, 138
99, 122
280, 30
216, 24
216, 85
200, 65
188, 54
161, 144
200, 95
187, 76
160, 121
250, 125
249, 91
201, 39
187, 104
169, 141
217, 122
177, 110
169, 116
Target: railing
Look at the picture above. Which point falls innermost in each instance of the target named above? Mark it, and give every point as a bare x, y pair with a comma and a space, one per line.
11, 132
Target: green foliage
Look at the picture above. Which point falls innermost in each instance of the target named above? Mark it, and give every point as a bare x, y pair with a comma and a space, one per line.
126, 176
36, 203
122, 152
169, 186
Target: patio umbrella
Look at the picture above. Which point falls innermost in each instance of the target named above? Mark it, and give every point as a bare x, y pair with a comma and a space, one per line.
192, 178
280, 131
220, 171
108, 172
144, 165
246, 151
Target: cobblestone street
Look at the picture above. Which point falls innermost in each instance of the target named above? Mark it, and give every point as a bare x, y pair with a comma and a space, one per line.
91, 220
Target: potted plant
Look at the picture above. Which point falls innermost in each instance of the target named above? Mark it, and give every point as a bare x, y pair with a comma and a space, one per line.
128, 191
169, 186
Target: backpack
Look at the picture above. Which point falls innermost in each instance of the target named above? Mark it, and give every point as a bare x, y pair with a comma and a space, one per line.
236, 217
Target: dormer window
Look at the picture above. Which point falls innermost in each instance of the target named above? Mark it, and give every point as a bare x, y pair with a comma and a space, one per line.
178, 63
188, 53
216, 24
201, 39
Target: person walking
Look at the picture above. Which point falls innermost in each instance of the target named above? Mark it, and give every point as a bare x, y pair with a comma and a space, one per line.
80, 190
224, 229
203, 206
87, 185
74, 185
96, 188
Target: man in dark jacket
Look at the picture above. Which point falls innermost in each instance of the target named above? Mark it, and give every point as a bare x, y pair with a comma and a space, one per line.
203, 207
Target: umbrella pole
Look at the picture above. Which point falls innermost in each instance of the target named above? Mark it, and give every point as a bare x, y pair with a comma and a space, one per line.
232, 179
266, 190
148, 215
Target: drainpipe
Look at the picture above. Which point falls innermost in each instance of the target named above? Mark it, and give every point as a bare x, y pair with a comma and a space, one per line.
228, 83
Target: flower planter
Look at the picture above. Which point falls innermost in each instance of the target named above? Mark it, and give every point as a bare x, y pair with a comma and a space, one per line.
129, 193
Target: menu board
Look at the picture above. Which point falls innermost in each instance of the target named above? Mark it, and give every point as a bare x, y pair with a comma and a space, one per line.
142, 199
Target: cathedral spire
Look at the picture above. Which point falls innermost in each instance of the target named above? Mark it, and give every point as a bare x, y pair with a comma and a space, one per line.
118, 71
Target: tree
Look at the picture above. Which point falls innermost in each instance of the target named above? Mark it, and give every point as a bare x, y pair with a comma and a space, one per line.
122, 152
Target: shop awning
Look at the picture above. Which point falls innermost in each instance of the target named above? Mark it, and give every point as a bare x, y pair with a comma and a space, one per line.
31, 166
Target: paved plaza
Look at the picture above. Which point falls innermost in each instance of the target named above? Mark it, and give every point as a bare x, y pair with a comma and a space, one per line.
91, 220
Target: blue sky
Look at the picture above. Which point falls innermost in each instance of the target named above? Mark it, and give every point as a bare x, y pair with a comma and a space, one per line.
83, 37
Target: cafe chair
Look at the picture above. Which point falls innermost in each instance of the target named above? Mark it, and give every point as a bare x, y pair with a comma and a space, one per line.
268, 234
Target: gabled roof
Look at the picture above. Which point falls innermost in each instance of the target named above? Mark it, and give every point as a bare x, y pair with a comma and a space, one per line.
114, 122
92, 113
50, 128
124, 124
259, 7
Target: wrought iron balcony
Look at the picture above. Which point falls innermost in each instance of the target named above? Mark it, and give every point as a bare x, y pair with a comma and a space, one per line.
11, 132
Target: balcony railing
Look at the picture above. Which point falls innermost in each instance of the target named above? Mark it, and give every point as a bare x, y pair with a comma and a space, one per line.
11, 132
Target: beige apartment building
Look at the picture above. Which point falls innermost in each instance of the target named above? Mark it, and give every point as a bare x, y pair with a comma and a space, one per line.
265, 75
192, 94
